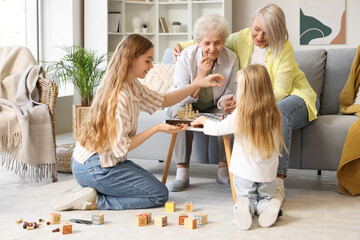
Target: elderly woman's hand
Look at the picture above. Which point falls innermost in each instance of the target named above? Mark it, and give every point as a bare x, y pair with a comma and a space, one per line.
176, 52
205, 66
228, 104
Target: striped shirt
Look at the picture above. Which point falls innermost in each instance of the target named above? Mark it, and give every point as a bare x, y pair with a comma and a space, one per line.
132, 99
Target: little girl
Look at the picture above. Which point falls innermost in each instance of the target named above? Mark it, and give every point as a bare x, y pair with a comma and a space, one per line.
256, 124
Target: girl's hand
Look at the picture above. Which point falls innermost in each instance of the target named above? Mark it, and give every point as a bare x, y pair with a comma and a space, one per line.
167, 128
199, 122
212, 80
176, 52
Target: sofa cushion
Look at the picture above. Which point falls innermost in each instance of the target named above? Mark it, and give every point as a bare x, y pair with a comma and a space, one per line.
337, 69
322, 141
160, 78
312, 63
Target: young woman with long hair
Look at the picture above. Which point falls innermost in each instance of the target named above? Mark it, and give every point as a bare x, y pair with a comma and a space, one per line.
106, 179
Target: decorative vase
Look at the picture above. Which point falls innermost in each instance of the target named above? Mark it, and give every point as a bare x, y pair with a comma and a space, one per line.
145, 30
175, 28
136, 24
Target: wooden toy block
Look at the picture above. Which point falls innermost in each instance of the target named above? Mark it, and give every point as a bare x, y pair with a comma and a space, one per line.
190, 223
98, 219
141, 220
161, 221
148, 215
188, 207
201, 219
66, 227
170, 206
181, 219
54, 218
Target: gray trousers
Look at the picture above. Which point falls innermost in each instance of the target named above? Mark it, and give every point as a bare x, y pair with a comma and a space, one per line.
184, 140
258, 193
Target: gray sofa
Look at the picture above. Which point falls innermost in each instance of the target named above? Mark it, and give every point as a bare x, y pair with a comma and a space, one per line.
317, 146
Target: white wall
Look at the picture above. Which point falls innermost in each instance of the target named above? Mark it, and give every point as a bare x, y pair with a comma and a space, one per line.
243, 9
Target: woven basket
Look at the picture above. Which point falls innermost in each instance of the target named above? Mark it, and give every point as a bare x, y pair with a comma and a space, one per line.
63, 157
79, 115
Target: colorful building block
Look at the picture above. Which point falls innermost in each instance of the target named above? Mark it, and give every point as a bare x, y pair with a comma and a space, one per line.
54, 218
98, 219
201, 219
66, 227
190, 223
181, 219
188, 207
170, 206
141, 220
148, 215
161, 221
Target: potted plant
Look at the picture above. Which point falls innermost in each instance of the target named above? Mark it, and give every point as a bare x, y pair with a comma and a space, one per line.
83, 68
176, 26
144, 27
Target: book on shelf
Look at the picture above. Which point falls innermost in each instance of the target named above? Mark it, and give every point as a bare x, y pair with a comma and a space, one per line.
114, 21
163, 24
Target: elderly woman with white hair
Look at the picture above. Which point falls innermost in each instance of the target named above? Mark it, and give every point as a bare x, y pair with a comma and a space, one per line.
266, 43
206, 57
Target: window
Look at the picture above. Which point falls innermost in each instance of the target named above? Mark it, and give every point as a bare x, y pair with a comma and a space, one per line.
18, 24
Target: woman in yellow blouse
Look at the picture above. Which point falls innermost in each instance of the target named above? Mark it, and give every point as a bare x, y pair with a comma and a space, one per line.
266, 43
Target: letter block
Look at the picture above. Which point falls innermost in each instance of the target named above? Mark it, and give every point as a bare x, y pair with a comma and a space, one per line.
170, 206
98, 219
161, 221
54, 218
190, 223
181, 219
148, 215
201, 219
188, 207
66, 227
141, 220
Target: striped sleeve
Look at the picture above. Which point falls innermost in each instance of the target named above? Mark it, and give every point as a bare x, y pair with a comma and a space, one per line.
123, 128
150, 101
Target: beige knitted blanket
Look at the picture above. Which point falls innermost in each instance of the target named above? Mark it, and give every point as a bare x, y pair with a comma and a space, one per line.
26, 141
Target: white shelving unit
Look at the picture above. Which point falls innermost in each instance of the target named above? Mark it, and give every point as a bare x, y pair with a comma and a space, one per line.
99, 38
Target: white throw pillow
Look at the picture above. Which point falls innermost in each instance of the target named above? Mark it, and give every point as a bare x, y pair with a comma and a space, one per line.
357, 99
160, 78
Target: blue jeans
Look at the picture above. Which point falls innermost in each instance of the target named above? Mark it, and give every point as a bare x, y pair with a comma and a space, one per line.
295, 115
124, 186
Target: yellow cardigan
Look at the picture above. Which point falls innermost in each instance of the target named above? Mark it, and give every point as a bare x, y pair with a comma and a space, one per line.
286, 77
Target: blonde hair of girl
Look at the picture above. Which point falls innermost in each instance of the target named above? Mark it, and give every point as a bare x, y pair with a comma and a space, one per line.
99, 131
274, 22
258, 117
